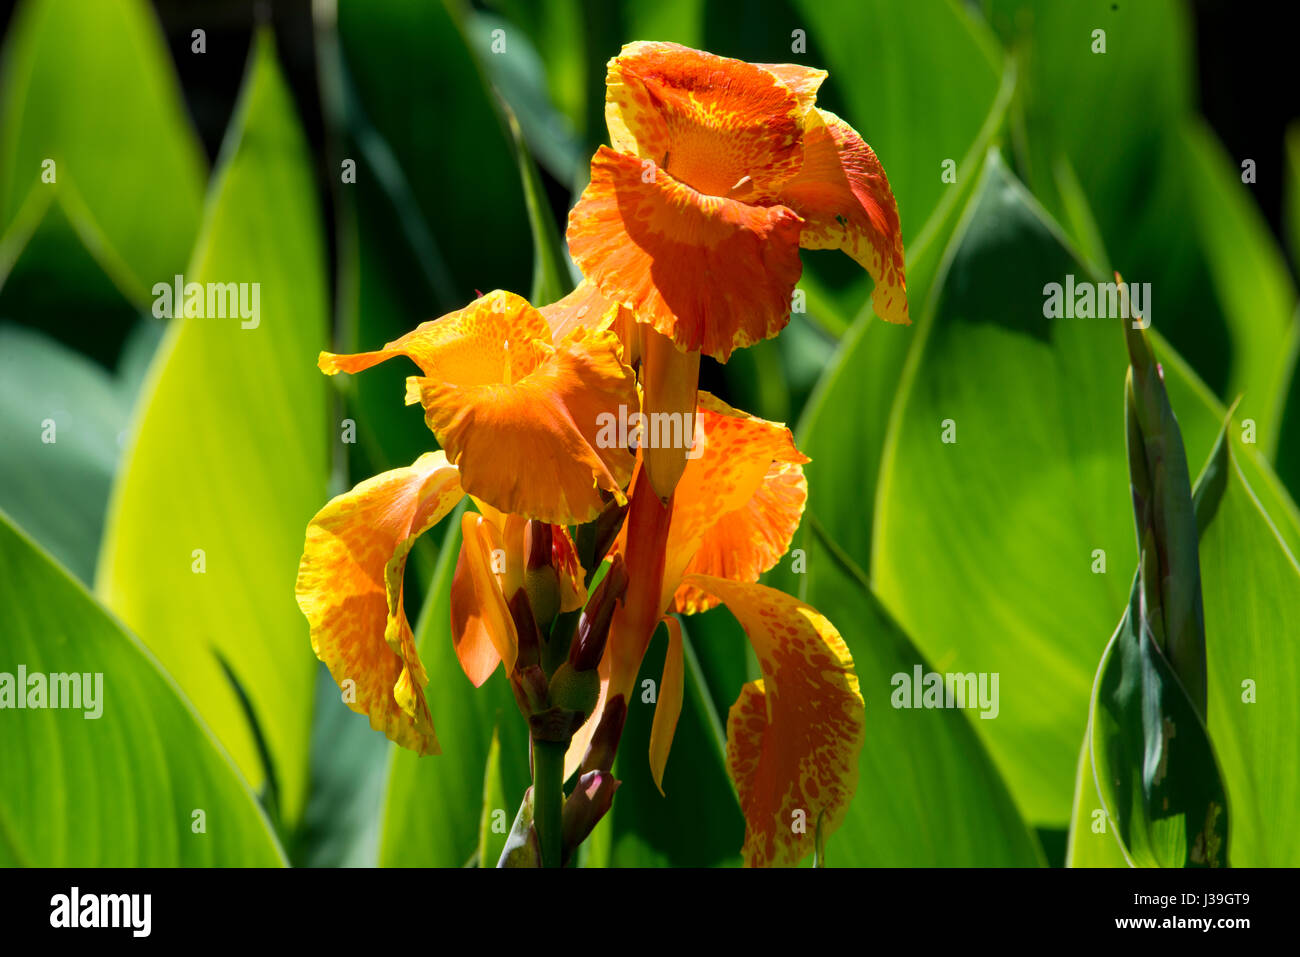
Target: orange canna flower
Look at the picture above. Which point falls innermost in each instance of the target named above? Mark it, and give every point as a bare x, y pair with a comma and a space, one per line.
515, 408
793, 737
718, 172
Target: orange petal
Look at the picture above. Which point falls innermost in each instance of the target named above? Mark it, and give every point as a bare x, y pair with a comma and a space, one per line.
711, 274
532, 447
349, 587
803, 81
482, 629
722, 126
792, 738
668, 704
844, 197
738, 504
496, 338
670, 378
585, 306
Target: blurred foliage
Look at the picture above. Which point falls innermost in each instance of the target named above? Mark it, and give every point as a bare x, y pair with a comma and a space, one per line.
455, 140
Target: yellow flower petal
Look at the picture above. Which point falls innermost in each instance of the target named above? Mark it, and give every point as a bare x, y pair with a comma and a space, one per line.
793, 738
349, 587
668, 703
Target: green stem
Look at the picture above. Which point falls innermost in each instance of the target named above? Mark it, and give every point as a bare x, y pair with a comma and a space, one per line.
548, 798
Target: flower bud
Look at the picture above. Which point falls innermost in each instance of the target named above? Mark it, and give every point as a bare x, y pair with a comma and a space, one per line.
529, 638
604, 742
540, 578
575, 690
593, 627
584, 808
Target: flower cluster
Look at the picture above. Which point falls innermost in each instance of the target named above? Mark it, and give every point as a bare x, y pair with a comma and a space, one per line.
688, 238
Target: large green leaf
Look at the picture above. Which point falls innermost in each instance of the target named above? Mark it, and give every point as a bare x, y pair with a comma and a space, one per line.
1251, 587
975, 539
119, 781
229, 454
433, 807
93, 120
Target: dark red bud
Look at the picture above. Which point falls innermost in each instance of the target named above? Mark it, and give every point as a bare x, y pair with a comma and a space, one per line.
604, 743
593, 626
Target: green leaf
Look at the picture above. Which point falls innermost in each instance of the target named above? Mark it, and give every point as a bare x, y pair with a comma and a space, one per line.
519, 76
928, 794
229, 454
406, 226
1154, 766
121, 789
1092, 841
492, 832
433, 805
1252, 615
349, 768
92, 121
976, 539
61, 417
444, 142
1249, 579
552, 273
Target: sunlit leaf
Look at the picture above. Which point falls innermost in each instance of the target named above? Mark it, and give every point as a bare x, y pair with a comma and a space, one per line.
228, 461
132, 778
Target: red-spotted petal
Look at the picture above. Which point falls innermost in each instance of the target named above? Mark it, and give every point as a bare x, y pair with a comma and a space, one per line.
711, 274
738, 504
803, 81
350, 588
724, 127
793, 738
844, 197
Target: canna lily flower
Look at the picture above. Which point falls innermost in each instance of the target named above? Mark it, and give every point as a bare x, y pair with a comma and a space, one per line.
515, 407
793, 736
717, 173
